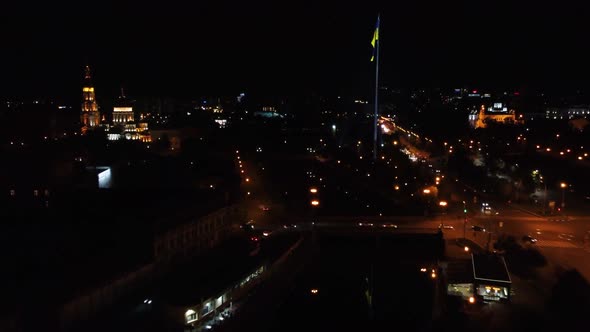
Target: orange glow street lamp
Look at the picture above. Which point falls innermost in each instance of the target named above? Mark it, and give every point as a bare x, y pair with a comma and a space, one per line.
315, 202
313, 190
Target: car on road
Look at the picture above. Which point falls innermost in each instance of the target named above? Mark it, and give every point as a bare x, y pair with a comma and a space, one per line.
265, 208
566, 236
559, 219
365, 224
389, 225
476, 228
446, 226
529, 239
249, 226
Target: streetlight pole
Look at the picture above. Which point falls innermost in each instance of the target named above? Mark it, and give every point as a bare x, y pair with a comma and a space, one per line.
464, 219
314, 203
545, 199
443, 205
563, 186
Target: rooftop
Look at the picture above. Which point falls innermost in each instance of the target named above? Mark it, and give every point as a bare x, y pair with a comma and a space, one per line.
490, 268
221, 268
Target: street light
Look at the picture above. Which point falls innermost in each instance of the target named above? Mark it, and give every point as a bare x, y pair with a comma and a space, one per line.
315, 202
426, 191
443, 204
313, 190
563, 185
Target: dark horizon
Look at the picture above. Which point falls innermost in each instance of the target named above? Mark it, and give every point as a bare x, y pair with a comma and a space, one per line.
225, 49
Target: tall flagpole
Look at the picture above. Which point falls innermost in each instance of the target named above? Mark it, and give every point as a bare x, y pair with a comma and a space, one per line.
375, 120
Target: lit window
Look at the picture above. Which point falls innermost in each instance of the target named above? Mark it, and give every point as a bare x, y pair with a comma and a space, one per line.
190, 316
35, 192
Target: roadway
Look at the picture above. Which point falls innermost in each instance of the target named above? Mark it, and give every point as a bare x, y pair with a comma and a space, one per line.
564, 243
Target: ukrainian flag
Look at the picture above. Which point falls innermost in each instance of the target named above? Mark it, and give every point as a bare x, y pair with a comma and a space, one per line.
375, 39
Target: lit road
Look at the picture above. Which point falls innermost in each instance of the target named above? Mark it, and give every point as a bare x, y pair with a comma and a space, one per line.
564, 242
561, 242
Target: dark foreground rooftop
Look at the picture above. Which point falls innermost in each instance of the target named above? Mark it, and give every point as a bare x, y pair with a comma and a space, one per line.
490, 268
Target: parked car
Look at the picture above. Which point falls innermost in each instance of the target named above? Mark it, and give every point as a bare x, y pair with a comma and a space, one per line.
446, 226
478, 229
529, 239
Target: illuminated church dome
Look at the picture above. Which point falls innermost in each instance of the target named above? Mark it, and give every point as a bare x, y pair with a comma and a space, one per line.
123, 110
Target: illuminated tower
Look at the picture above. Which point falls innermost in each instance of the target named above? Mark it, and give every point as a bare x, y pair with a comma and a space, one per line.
123, 110
90, 116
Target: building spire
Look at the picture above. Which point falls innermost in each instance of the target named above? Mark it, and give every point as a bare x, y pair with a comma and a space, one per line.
87, 76
90, 116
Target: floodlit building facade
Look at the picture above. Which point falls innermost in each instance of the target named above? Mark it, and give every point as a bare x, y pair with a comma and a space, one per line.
90, 115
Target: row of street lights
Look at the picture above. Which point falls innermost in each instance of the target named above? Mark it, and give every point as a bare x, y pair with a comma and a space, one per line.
314, 202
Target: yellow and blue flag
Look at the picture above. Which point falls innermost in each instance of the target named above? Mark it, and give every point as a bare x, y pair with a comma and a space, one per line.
375, 39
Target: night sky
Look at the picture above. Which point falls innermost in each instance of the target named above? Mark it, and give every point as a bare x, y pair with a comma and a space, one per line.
289, 48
